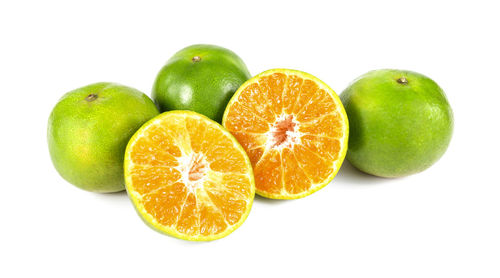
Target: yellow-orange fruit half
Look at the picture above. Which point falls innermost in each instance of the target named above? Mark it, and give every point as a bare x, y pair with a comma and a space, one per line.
294, 129
188, 177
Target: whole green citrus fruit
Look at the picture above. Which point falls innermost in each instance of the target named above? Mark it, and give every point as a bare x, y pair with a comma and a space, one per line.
200, 78
89, 129
400, 122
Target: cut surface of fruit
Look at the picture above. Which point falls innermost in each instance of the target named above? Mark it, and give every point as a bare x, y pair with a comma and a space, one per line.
294, 129
188, 177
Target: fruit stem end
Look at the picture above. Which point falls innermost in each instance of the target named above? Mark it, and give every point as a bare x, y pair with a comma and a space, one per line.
91, 97
402, 80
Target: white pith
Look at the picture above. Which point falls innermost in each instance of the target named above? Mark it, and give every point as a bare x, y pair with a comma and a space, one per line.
186, 164
292, 137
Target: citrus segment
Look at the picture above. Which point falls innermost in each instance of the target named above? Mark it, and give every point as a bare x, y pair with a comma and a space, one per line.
269, 174
294, 130
188, 177
295, 178
291, 91
273, 85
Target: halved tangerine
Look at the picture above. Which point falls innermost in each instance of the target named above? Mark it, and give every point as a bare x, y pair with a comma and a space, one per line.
294, 129
188, 177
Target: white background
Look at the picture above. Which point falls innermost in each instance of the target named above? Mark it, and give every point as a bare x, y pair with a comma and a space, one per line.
444, 222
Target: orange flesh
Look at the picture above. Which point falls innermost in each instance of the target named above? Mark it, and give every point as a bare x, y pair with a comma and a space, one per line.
292, 129
189, 177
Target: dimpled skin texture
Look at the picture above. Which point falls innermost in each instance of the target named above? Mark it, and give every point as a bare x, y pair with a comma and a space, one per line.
87, 139
203, 86
397, 129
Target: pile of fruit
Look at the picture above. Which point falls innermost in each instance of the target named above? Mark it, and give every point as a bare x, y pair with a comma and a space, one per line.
192, 172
